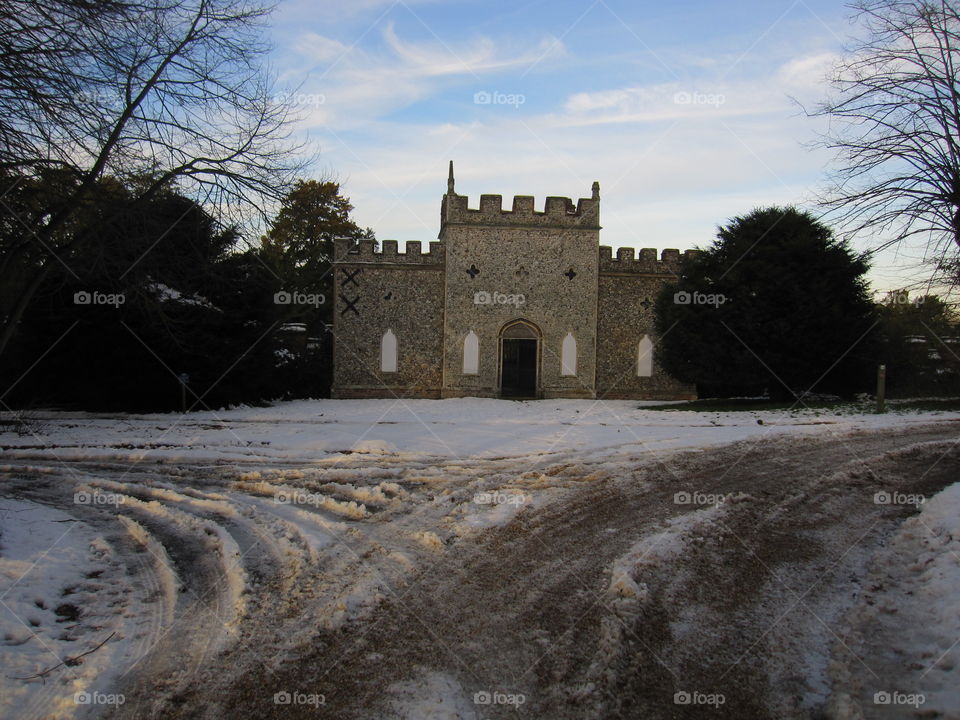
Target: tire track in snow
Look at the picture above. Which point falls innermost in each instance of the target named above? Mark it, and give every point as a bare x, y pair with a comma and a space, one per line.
526, 608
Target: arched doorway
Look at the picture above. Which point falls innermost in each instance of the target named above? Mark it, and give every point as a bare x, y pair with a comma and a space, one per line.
519, 359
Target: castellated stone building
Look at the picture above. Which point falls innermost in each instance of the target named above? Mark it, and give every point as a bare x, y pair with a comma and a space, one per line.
508, 303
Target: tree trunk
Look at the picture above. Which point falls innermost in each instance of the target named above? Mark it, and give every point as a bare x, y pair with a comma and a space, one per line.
20, 307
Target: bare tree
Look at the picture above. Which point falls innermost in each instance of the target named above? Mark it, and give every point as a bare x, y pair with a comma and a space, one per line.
152, 92
895, 125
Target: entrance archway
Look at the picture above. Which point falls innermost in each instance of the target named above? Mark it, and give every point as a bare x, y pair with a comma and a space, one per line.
519, 359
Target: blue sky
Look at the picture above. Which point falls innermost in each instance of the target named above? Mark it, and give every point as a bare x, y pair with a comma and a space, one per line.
681, 111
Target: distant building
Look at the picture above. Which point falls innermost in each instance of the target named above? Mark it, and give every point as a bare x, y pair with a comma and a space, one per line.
509, 303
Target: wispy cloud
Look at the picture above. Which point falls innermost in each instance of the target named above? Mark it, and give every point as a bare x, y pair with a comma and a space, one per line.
704, 99
482, 55
362, 84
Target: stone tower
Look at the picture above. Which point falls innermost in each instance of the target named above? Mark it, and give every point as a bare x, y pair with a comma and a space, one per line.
537, 268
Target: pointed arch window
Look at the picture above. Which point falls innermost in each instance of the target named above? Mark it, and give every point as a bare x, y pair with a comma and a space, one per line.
471, 354
568, 356
645, 357
388, 352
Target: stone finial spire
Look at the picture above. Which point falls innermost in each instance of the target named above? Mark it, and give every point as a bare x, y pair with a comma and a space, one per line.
595, 188
450, 180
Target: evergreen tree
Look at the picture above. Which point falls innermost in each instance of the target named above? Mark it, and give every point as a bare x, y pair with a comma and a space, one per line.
918, 345
776, 303
299, 245
164, 260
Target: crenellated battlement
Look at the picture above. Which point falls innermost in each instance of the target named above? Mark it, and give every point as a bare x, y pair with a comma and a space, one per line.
557, 212
346, 253
647, 263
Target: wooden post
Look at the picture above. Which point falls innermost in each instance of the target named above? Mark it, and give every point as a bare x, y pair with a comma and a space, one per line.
881, 388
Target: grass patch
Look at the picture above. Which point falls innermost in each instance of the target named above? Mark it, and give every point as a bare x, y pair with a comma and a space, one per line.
925, 404
755, 404
837, 407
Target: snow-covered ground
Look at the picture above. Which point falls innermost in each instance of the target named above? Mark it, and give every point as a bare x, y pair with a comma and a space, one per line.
161, 546
465, 428
63, 592
908, 623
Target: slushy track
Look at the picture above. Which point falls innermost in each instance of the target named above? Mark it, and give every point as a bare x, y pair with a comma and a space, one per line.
374, 594
750, 605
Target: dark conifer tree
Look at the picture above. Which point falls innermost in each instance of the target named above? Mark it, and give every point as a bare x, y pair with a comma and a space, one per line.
776, 303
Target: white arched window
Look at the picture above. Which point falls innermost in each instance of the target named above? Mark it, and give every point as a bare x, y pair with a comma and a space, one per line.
388, 352
568, 356
471, 354
645, 357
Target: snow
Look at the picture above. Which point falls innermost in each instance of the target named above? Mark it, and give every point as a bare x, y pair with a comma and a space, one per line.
433, 696
628, 593
62, 593
461, 428
428, 539
169, 585
165, 293
216, 528
627, 573
908, 625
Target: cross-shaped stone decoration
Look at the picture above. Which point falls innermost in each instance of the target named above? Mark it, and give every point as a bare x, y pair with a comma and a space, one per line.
521, 272
473, 272
349, 304
570, 274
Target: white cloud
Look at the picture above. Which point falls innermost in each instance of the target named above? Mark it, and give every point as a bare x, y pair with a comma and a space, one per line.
729, 145
481, 56
808, 72
665, 185
803, 77
601, 100
359, 85
659, 103
318, 48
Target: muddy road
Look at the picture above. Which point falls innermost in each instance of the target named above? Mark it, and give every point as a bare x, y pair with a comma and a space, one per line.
725, 583
706, 584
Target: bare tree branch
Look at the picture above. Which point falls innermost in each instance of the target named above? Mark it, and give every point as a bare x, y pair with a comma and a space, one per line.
171, 90
895, 127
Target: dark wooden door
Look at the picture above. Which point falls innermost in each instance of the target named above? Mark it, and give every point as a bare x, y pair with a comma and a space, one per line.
519, 369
